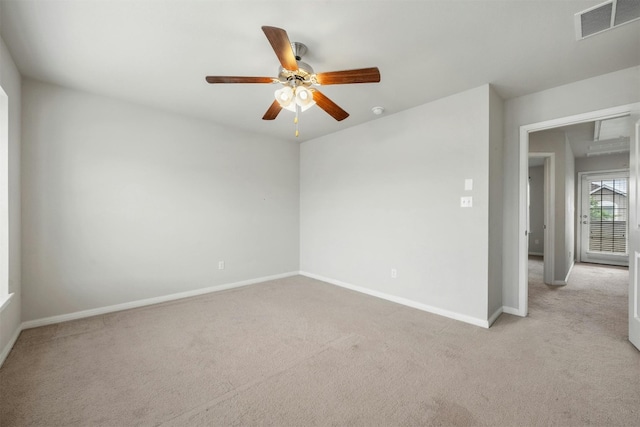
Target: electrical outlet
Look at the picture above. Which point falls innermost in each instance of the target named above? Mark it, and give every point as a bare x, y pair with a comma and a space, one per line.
220, 265
466, 202
394, 273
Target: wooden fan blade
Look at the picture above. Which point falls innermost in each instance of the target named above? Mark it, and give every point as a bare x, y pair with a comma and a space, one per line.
273, 111
236, 79
329, 106
282, 47
362, 75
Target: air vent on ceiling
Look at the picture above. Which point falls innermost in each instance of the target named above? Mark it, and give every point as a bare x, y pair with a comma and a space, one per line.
606, 16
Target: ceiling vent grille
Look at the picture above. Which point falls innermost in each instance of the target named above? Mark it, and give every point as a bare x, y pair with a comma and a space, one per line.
606, 16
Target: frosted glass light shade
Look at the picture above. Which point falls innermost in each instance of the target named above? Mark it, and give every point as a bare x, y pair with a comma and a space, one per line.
289, 98
304, 98
285, 98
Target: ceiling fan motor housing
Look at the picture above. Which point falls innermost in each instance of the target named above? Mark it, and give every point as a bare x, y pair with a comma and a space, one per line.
303, 76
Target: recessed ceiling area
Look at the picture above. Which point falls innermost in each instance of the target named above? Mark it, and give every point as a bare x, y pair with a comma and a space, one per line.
602, 137
158, 53
598, 138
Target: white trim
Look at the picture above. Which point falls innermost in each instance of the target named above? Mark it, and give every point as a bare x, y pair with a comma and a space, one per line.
608, 113
566, 279
511, 310
579, 240
523, 220
573, 262
536, 253
495, 316
634, 288
549, 208
5, 301
399, 300
7, 348
149, 301
550, 185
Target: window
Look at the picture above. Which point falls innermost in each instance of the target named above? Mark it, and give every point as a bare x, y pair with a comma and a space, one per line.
608, 211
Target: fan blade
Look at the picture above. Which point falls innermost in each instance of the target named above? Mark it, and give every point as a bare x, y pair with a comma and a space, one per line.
236, 79
282, 47
329, 106
362, 75
273, 111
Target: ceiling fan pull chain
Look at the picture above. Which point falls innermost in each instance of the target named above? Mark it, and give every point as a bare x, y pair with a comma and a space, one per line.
295, 120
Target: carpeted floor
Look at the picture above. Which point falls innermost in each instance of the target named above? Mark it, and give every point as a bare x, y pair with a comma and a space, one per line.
299, 352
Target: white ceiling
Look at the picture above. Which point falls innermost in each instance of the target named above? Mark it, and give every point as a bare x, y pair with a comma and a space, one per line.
613, 137
157, 53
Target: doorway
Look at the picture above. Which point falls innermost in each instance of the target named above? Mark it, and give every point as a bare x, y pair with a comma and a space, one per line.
604, 218
632, 110
541, 205
523, 180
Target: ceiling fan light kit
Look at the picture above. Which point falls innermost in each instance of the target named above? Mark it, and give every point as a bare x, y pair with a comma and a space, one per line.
290, 98
299, 81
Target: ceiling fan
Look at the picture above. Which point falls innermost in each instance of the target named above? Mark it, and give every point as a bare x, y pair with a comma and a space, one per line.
299, 82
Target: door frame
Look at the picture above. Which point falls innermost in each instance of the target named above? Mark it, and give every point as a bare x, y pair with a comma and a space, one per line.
523, 249
634, 231
549, 209
579, 200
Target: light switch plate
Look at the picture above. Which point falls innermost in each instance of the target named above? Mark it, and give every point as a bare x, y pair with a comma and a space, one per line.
468, 184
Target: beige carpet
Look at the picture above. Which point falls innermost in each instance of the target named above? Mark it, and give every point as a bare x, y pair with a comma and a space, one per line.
298, 352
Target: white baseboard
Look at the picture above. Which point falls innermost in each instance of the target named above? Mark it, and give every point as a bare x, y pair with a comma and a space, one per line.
566, 279
536, 253
494, 316
404, 301
4, 301
511, 310
7, 348
149, 301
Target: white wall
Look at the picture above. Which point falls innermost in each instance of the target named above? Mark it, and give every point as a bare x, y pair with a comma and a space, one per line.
10, 314
536, 210
569, 210
123, 203
606, 91
386, 194
601, 163
99, 173
496, 142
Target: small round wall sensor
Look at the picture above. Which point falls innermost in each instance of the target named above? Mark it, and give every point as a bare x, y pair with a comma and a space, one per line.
377, 110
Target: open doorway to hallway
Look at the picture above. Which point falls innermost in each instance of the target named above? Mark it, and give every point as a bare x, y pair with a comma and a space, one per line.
541, 188
574, 167
565, 255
